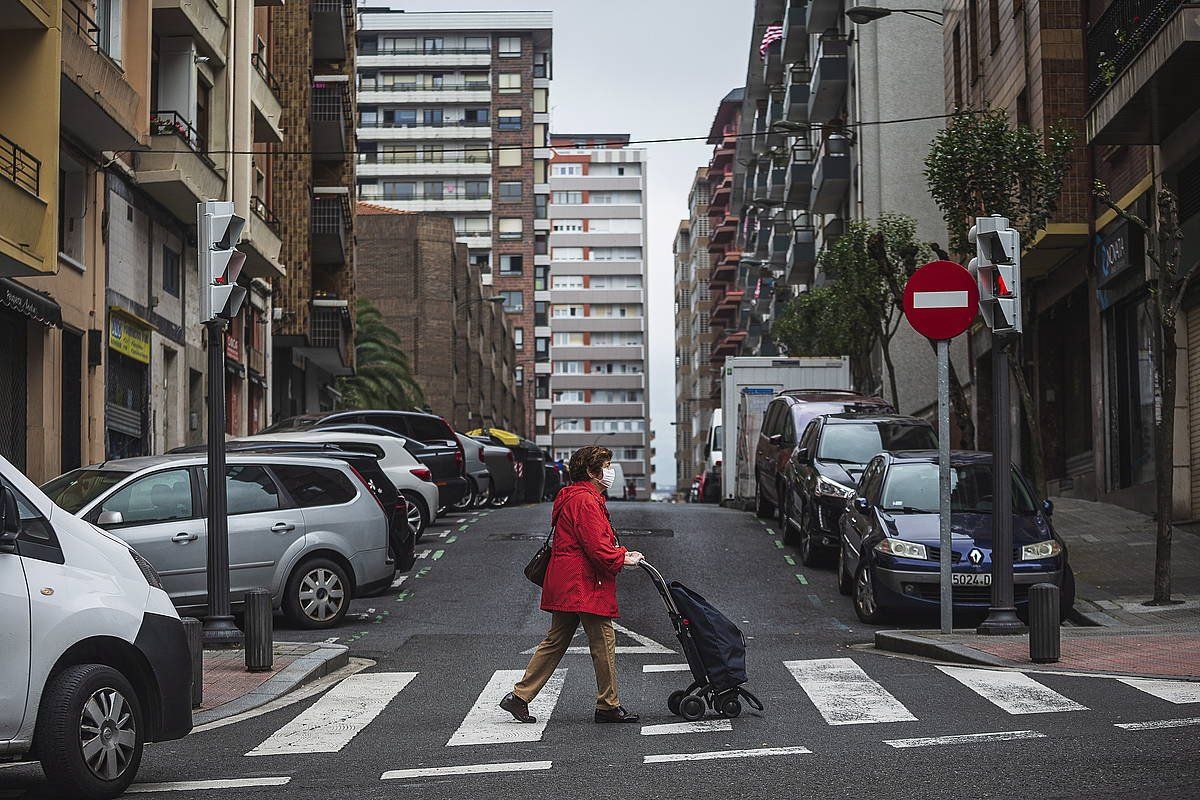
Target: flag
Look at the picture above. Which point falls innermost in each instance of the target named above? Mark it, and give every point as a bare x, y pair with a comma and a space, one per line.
772, 35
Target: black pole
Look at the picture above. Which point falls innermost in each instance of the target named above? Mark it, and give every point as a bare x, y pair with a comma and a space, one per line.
1002, 616
219, 628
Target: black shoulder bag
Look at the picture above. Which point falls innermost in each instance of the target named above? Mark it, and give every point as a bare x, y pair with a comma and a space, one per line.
535, 570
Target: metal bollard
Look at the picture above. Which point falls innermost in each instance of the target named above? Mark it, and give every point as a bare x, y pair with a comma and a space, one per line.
259, 635
1043, 623
193, 629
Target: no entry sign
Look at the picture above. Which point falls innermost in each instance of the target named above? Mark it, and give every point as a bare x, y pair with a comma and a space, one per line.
941, 300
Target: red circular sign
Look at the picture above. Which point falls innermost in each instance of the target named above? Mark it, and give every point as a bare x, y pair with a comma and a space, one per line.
941, 300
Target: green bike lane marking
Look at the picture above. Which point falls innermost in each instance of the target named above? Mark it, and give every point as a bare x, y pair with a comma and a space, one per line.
803, 580
437, 554
790, 560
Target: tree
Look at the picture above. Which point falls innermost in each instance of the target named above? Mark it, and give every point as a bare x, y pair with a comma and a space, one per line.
1167, 285
383, 378
980, 165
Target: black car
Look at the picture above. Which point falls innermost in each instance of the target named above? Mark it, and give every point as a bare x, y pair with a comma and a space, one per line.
890, 545
823, 471
442, 453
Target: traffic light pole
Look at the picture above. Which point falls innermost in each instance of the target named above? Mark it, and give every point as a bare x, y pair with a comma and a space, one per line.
1002, 616
219, 627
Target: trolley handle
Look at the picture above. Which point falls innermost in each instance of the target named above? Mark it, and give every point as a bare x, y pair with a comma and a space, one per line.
661, 584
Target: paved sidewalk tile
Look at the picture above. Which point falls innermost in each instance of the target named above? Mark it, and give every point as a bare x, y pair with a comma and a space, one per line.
230, 689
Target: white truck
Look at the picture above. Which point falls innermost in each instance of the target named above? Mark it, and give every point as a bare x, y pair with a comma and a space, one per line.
748, 384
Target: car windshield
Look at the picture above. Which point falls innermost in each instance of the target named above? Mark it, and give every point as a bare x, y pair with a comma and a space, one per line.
913, 488
859, 442
79, 487
716, 439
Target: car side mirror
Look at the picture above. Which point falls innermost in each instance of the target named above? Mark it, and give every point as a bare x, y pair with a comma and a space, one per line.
107, 518
10, 520
707, 450
775, 438
862, 504
802, 455
1047, 507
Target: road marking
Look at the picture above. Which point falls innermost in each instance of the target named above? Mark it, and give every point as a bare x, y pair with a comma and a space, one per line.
668, 758
844, 694
424, 553
222, 783
1171, 691
940, 299
329, 724
452, 540
645, 645
778, 544
438, 554
803, 580
463, 527
814, 599
400, 579
699, 726
488, 723
790, 560
1159, 723
467, 769
770, 532
665, 668
964, 738
1014, 692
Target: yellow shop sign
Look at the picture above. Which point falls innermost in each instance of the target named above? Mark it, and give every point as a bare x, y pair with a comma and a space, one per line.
128, 336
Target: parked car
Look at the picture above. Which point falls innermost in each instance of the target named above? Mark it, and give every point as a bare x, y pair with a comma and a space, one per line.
785, 419
710, 479
502, 468
442, 454
478, 476
410, 477
307, 529
528, 460
95, 661
889, 554
554, 480
825, 467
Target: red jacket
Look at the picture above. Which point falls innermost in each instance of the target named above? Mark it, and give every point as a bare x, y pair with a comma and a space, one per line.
584, 557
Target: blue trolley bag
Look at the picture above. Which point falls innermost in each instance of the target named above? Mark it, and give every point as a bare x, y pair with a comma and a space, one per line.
720, 644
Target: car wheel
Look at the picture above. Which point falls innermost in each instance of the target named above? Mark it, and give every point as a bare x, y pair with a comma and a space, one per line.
467, 500
844, 582
866, 605
788, 523
762, 508
318, 594
810, 556
418, 514
89, 732
484, 496
782, 503
500, 500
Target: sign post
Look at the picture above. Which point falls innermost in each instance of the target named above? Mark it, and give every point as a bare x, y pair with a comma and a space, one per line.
941, 300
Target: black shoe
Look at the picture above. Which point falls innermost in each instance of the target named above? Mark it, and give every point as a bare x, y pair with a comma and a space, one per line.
618, 714
517, 707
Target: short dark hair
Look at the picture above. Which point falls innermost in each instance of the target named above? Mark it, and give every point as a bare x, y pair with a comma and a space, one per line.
586, 460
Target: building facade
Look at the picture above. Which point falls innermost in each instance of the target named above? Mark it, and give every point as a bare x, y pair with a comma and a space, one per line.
693, 338
598, 345
453, 118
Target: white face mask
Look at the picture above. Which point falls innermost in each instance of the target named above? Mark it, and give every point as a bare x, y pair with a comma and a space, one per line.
607, 476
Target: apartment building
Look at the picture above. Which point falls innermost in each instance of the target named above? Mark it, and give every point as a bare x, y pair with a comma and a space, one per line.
311, 197
598, 331
693, 339
727, 320
453, 118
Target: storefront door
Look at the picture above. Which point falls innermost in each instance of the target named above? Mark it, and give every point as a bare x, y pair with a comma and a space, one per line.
14, 399
1131, 389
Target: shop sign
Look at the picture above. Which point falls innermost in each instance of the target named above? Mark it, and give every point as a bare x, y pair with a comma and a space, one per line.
233, 347
1117, 252
128, 337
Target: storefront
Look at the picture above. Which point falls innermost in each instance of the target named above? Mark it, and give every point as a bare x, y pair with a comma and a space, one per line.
21, 309
127, 385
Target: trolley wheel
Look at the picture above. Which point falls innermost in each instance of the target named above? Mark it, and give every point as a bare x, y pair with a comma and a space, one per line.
691, 708
674, 700
731, 707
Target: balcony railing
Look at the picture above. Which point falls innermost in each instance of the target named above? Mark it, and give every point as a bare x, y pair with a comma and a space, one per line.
260, 66
461, 123
425, 51
328, 215
328, 326
263, 212
172, 123
330, 101
461, 86
19, 166
1119, 35
368, 193
481, 157
76, 18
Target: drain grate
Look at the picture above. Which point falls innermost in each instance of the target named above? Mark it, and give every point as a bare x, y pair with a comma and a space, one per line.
621, 532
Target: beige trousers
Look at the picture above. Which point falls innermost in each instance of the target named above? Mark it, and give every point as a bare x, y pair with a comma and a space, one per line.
602, 640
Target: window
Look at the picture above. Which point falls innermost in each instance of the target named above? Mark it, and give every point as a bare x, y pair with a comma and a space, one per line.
560, 310
559, 170
541, 101
508, 119
567, 226
476, 44
541, 134
311, 487
626, 225
160, 497
568, 367
434, 44
541, 275
508, 46
540, 316
539, 170
568, 425
474, 226
568, 339
434, 190
510, 191
433, 153
541, 206
475, 190
513, 301
566, 282
511, 264
509, 157
957, 49
170, 272
541, 348
994, 22
476, 80
519, 376
519, 338
972, 14
568, 198
250, 489
510, 227
541, 64
72, 204
432, 117
573, 396
568, 254
508, 82
475, 116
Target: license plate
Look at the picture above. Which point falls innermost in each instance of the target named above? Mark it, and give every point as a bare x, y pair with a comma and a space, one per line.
971, 579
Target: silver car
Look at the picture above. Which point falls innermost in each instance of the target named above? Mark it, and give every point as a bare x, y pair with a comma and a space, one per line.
304, 528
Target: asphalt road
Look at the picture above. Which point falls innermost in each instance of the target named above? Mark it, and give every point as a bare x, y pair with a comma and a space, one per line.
840, 719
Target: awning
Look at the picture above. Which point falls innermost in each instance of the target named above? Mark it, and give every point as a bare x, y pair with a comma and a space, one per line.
38, 306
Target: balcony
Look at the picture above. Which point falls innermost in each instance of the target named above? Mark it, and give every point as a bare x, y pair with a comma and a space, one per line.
822, 15
260, 242
330, 336
723, 233
795, 32
781, 240
425, 57
798, 190
330, 226
206, 23
331, 118
1143, 59
725, 270
383, 130
26, 229
831, 176
264, 98
429, 93
100, 108
331, 20
775, 136
827, 90
726, 306
802, 256
177, 170
428, 197
795, 104
773, 64
777, 182
727, 346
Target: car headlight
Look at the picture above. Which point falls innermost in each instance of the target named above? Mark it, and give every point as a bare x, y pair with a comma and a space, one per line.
899, 547
830, 488
148, 570
1046, 549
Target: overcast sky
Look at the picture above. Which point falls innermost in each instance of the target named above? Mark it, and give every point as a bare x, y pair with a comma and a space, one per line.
654, 69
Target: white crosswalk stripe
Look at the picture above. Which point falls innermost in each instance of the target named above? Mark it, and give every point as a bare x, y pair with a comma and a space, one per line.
329, 724
1014, 692
487, 723
844, 694
1171, 691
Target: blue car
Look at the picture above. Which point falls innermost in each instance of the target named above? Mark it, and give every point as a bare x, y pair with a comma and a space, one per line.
889, 555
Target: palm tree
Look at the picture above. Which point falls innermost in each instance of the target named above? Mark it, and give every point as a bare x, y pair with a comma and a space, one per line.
383, 378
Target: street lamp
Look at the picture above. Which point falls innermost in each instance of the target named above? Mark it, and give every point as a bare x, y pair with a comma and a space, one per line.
498, 298
861, 15
597, 439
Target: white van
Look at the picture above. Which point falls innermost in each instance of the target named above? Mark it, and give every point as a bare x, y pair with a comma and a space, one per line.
710, 490
93, 655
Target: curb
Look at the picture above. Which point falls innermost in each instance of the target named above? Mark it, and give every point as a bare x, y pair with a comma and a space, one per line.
325, 659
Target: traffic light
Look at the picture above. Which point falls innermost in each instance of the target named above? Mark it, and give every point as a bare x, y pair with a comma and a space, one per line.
997, 271
220, 262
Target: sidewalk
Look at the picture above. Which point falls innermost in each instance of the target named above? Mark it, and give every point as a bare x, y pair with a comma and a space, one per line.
229, 689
